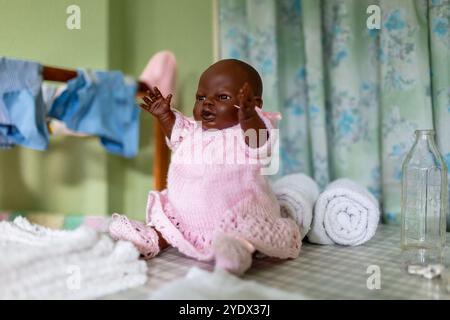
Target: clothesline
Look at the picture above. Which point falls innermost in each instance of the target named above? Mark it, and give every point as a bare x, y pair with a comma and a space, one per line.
161, 152
64, 75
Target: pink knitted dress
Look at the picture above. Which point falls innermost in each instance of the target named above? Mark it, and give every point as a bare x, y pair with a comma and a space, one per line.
214, 187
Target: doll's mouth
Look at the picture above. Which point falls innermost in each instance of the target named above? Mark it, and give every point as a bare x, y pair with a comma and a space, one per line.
207, 115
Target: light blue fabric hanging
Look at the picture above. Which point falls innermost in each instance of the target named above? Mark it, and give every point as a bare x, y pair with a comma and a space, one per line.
102, 104
22, 109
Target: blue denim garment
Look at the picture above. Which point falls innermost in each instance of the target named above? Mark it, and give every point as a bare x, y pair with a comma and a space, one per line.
101, 104
22, 109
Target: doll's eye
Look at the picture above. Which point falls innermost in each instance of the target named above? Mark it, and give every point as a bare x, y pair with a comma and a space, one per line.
200, 98
224, 97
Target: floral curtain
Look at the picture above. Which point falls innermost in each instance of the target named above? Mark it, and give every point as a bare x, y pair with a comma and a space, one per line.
351, 97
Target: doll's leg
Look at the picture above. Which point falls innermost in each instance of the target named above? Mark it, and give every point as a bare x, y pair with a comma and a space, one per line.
146, 239
232, 254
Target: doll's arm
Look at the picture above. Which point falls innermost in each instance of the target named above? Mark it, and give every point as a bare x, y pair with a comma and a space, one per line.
159, 107
249, 118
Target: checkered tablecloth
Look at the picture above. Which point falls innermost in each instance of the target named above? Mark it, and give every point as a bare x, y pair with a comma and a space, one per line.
321, 272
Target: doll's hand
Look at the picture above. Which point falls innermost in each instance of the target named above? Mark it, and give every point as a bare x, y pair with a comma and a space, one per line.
156, 104
246, 105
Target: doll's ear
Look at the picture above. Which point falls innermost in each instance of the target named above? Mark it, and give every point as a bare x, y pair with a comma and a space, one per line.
258, 101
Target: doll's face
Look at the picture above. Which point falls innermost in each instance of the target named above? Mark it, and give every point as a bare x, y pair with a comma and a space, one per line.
217, 95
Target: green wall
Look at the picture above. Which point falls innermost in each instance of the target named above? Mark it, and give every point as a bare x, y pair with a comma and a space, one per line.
185, 28
76, 175
37, 30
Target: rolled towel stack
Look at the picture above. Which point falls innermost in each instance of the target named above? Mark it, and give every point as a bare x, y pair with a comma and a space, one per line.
297, 194
345, 213
41, 263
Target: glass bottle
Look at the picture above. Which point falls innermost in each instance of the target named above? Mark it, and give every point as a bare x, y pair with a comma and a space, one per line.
424, 202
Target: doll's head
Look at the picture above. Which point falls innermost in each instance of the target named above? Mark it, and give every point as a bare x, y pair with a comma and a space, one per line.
218, 89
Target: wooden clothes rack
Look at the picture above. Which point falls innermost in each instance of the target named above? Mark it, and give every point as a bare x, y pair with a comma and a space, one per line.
161, 152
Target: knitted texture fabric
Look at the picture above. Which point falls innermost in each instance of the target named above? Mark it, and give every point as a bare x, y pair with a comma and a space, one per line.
144, 238
161, 71
215, 186
41, 263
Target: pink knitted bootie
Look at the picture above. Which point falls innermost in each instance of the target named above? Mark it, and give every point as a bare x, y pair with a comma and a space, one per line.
144, 238
232, 254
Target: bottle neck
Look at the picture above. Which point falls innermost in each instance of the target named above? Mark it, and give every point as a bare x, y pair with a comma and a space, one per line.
425, 142
425, 137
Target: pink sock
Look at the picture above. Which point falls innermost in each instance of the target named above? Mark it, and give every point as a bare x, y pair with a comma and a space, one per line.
232, 254
144, 238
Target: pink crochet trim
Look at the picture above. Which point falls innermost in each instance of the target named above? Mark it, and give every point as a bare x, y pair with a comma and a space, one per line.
268, 233
188, 242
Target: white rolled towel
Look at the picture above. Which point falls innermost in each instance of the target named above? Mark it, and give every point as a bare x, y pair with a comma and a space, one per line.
345, 213
297, 194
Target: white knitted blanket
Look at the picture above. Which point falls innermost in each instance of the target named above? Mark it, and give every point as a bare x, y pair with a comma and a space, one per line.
41, 263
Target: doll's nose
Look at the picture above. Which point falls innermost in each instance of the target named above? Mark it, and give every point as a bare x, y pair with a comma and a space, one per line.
207, 102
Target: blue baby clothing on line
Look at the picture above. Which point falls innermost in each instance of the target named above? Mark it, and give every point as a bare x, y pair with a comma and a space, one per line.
103, 104
22, 109
5, 142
